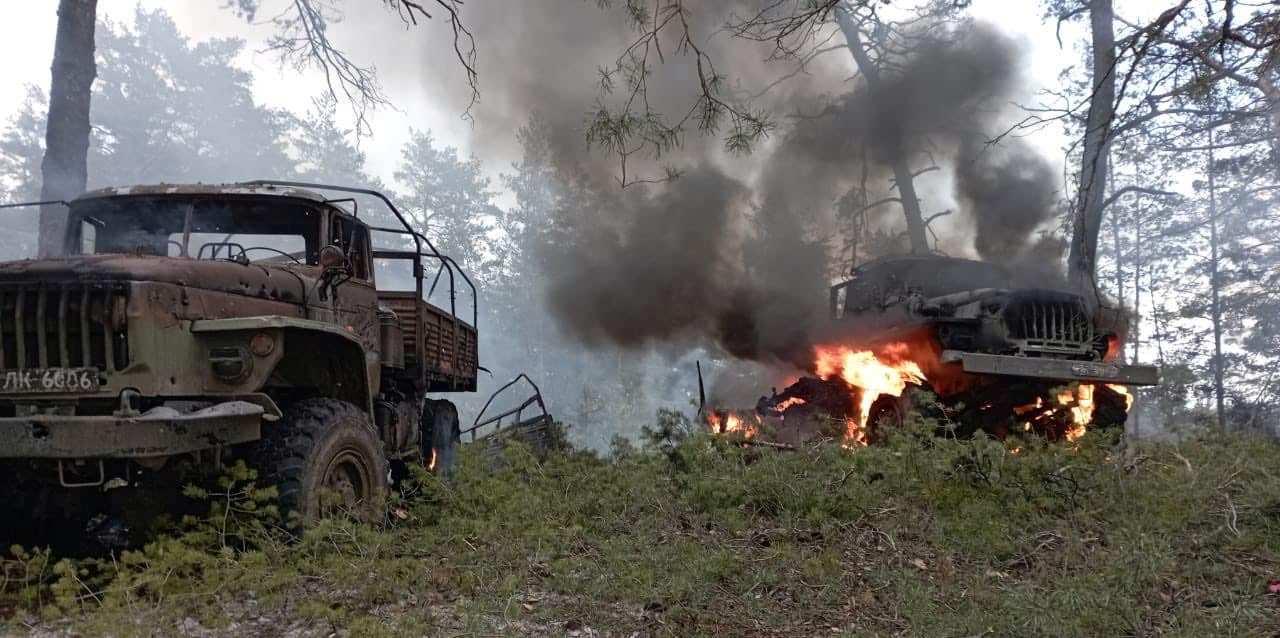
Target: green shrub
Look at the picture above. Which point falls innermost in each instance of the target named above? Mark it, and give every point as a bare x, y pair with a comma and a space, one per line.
692, 535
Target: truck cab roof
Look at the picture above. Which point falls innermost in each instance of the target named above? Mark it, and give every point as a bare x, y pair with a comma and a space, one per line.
933, 275
187, 190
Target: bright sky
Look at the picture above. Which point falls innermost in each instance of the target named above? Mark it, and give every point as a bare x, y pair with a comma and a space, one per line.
26, 40
27, 32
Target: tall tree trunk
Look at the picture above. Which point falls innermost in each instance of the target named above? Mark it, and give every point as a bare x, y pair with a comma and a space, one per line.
1272, 95
64, 171
1215, 302
902, 175
1136, 329
1087, 218
1119, 279
1140, 396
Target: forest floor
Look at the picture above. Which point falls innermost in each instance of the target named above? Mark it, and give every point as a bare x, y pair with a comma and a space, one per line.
695, 536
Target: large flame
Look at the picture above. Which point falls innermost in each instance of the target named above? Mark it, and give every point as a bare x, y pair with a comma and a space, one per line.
1080, 405
873, 373
916, 359
730, 422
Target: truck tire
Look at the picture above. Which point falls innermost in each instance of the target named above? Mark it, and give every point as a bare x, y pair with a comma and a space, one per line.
13, 507
1111, 409
324, 458
441, 435
887, 413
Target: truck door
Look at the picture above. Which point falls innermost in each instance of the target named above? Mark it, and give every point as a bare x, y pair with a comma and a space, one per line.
355, 301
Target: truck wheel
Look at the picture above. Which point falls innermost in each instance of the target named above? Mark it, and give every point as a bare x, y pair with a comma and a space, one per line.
441, 435
1111, 409
14, 507
887, 413
324, 458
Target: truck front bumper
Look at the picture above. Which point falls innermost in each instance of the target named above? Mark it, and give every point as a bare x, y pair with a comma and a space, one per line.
157, 432
1059, 369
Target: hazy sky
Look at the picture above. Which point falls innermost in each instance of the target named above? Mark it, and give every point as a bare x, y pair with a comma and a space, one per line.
27, 31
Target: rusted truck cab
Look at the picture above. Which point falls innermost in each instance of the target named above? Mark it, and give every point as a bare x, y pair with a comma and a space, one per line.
189, 324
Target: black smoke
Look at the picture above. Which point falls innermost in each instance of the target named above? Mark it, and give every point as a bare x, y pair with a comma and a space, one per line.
1009, 191
942, 106
734, 253
655, 266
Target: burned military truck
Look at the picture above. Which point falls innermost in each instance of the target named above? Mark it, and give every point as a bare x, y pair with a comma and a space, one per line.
186, 326
998, 349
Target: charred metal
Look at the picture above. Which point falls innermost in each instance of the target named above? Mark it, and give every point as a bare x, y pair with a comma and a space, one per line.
997, 351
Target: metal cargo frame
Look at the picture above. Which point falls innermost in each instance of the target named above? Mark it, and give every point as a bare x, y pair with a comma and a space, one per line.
454, 344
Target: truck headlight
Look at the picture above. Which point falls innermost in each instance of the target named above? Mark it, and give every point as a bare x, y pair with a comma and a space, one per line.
262, 344
230, 364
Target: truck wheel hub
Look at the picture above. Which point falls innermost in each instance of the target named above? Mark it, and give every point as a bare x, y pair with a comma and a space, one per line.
347, 478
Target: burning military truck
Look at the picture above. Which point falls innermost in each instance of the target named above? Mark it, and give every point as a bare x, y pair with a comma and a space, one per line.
973, 344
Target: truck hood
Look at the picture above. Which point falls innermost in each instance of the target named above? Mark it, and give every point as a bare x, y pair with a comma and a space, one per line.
274, 281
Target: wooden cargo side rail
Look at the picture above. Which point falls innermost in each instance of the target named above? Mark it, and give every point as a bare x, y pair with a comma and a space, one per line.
434, 331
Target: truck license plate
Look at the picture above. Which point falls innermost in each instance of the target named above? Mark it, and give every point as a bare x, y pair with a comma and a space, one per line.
49, 380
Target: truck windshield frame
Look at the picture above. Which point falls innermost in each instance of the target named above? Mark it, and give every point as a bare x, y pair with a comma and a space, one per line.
277, 229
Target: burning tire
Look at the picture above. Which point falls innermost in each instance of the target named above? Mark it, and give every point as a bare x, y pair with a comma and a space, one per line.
1111, 407
1054, 411
887, 413
324, 458
441, 435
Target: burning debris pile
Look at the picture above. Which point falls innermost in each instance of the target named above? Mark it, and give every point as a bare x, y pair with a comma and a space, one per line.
858, 393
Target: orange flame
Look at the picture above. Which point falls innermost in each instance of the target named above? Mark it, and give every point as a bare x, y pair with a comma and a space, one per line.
1030, 407
714, 421
888, 371
1081, 412
1078, 404
730, 423
916, 359
432, 464
1073, 406
854, 435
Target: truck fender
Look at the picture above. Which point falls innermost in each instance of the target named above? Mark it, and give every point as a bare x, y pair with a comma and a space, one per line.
309, 352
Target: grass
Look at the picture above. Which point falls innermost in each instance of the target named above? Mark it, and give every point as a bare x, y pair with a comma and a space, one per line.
694, 536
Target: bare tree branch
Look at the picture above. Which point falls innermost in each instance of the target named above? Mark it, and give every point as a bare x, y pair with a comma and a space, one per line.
1121, 192
629, 124
302, 40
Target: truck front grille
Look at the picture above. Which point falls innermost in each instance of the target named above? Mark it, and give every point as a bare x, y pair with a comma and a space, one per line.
1050, 326
64, 326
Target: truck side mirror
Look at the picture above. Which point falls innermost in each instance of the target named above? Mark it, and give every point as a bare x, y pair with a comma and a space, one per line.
333, 261
332, 257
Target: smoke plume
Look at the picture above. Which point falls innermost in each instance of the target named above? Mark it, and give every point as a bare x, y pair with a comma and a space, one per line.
1010, 189
734, 253
671, 264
